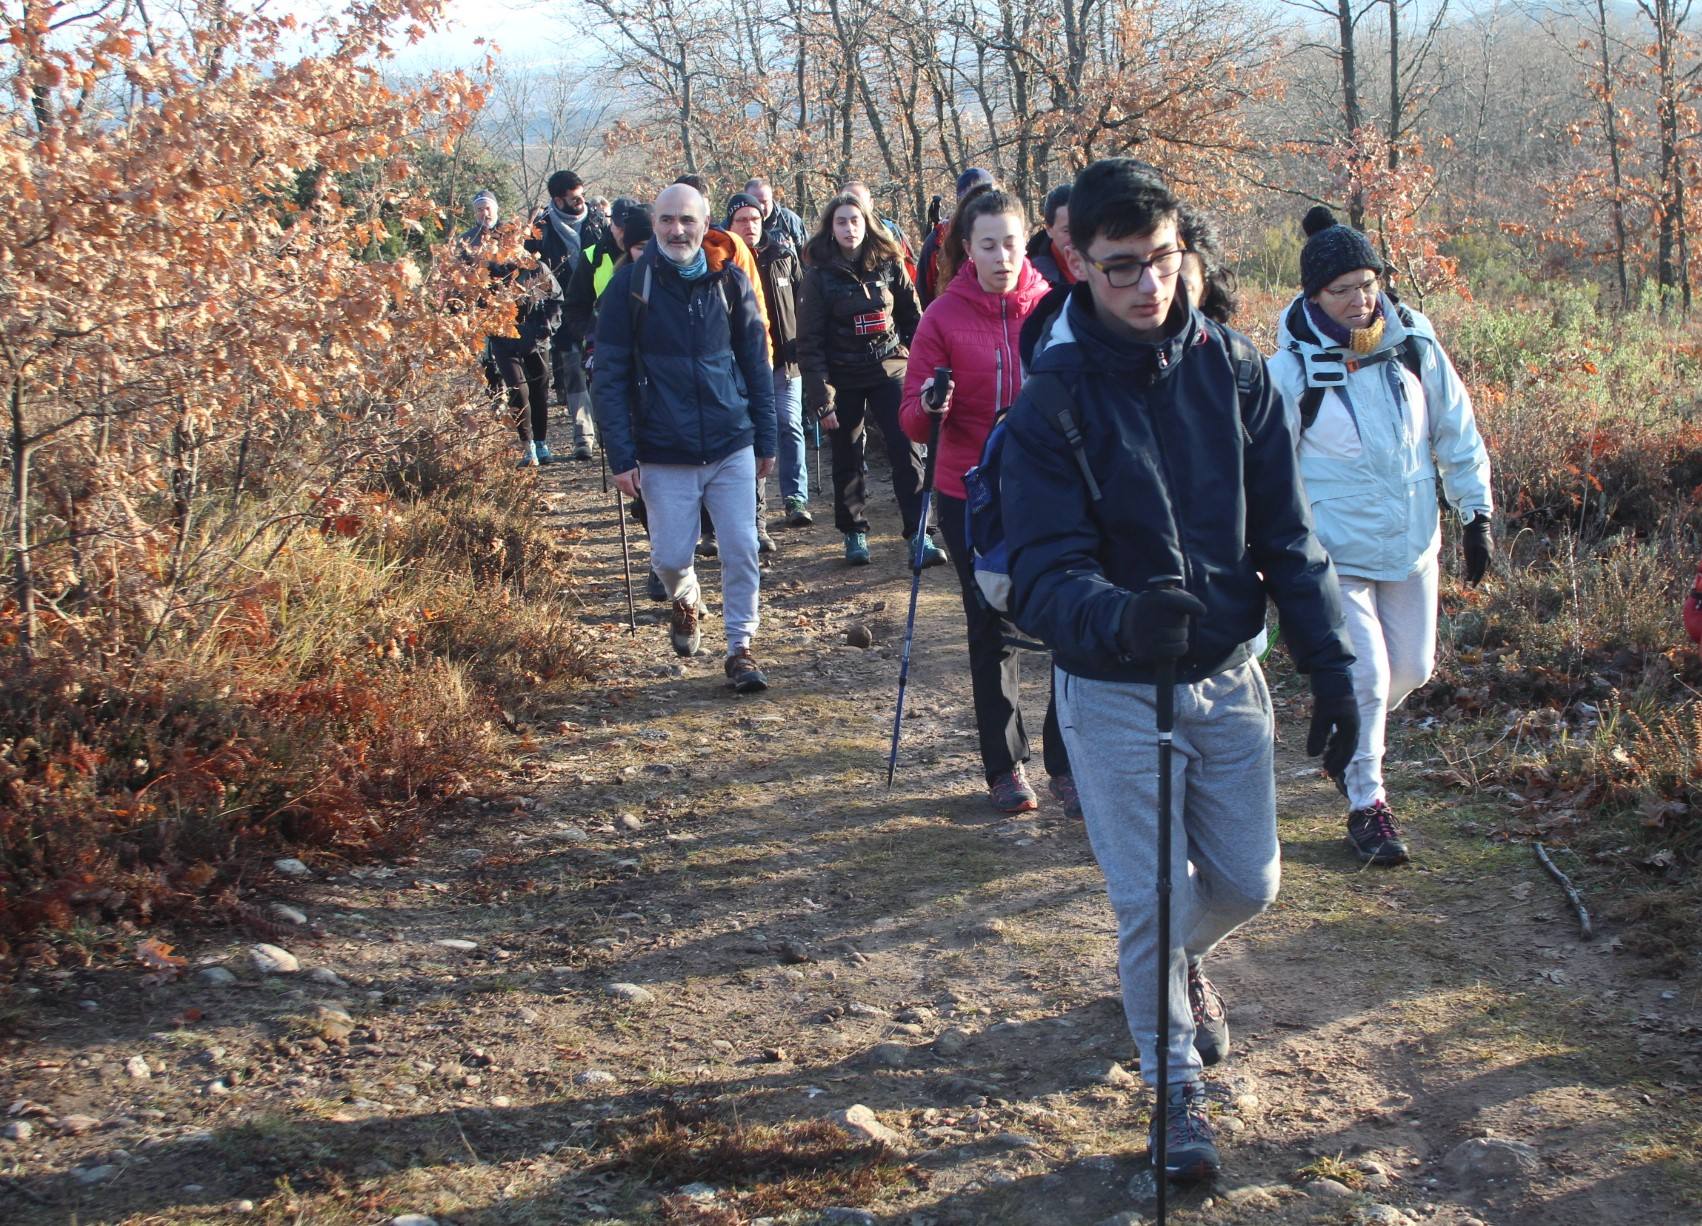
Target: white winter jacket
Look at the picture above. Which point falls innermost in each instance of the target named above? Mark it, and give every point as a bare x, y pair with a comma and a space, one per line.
1371, 458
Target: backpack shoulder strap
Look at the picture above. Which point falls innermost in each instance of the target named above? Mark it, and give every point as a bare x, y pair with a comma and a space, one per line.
1057, 404
1409, 353
638, 310
1244, 357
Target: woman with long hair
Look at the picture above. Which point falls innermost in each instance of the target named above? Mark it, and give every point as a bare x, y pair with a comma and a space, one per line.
855, 320
972, 328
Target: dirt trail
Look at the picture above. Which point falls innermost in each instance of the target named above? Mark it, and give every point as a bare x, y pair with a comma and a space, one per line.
805, 939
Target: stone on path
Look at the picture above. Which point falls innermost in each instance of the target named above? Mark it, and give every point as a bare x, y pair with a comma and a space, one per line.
458, 944
216, 977
137, 1068
860, 1121
412, 1219
289, 914
1486, 1158
274, 960
841, 1216
292, 868
952, 1042
893, 1055
594, 1077
631, 993
327, 976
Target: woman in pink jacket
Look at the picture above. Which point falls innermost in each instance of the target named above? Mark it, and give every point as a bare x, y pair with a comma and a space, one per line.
973, 327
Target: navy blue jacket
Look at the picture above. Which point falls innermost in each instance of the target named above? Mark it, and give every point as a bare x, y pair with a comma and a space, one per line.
706, 390
1192, 485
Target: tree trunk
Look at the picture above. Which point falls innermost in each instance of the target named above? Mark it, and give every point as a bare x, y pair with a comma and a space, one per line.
1394, 83
1351, 113
1611, 127
23, 576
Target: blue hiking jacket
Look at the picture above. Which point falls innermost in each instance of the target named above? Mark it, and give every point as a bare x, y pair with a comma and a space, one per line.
1193, 484
706, 388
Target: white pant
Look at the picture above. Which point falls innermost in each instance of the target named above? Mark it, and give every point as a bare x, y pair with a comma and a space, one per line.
1392, 627
673, 496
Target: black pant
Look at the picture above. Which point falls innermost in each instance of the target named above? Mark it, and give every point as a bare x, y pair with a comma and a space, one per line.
525, 376
995, 667
855, 407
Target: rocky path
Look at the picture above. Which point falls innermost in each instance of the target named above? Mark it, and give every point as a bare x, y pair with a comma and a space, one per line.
697, 965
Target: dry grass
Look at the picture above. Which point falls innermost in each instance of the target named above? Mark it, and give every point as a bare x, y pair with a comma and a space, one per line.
326, 695
769, 1169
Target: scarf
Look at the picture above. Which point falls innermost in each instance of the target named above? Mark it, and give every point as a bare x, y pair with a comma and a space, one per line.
1360, 340
566, 225
698, 268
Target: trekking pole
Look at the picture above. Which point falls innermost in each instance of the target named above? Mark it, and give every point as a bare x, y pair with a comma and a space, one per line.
816, 426
935, 397
1166, 730
626, 555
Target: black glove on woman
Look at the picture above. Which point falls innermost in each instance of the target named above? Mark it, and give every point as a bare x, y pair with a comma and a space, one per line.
1479, 546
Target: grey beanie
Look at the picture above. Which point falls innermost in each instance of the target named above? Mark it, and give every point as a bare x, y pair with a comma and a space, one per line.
1333, 250
484, 195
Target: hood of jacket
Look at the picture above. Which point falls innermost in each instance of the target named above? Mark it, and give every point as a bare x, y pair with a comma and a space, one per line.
720, 248
1295, 330
1031, 287
1079, 342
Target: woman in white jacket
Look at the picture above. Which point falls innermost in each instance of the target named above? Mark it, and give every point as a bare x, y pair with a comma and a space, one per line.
1378, 413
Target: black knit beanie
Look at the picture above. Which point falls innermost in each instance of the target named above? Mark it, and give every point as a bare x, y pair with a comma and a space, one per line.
1332, 250
739, 201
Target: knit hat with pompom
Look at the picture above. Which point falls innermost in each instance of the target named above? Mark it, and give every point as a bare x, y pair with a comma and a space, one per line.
1332, 250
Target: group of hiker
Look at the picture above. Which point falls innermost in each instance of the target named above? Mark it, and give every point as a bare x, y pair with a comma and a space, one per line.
1117, 478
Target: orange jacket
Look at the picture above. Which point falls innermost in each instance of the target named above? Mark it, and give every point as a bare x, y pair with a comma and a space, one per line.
719, 246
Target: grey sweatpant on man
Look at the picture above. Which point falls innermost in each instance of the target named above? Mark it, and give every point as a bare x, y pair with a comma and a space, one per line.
675, 496
1224, 864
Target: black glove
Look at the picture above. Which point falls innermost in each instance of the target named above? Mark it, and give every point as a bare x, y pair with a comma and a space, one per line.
1335, 721
1155, 623
1479, 546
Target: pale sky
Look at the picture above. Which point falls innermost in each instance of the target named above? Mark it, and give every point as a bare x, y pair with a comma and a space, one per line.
522, 29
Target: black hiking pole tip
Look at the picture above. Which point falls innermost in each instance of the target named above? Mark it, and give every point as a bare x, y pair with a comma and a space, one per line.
936, 395
626, 558
1161, 1038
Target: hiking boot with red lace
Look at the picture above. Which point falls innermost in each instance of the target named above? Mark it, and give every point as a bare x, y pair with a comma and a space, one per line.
1211, 1026
1375, 838
1011, 793
684, 632
1190, 1143
743, 674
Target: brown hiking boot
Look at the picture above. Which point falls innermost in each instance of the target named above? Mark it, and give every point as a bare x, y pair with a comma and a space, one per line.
743, 674
683, 629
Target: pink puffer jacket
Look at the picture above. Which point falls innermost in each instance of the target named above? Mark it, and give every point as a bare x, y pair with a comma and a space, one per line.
975, 333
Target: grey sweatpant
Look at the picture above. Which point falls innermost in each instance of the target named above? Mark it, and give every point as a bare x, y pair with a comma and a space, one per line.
674, 497
1224, 862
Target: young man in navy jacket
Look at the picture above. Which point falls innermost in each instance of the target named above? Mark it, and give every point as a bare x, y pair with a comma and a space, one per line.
1194, 476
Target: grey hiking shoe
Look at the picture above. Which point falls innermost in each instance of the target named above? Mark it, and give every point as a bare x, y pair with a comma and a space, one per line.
743, 674
798, 513
684, 631
1190, 1143
1211, 1025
